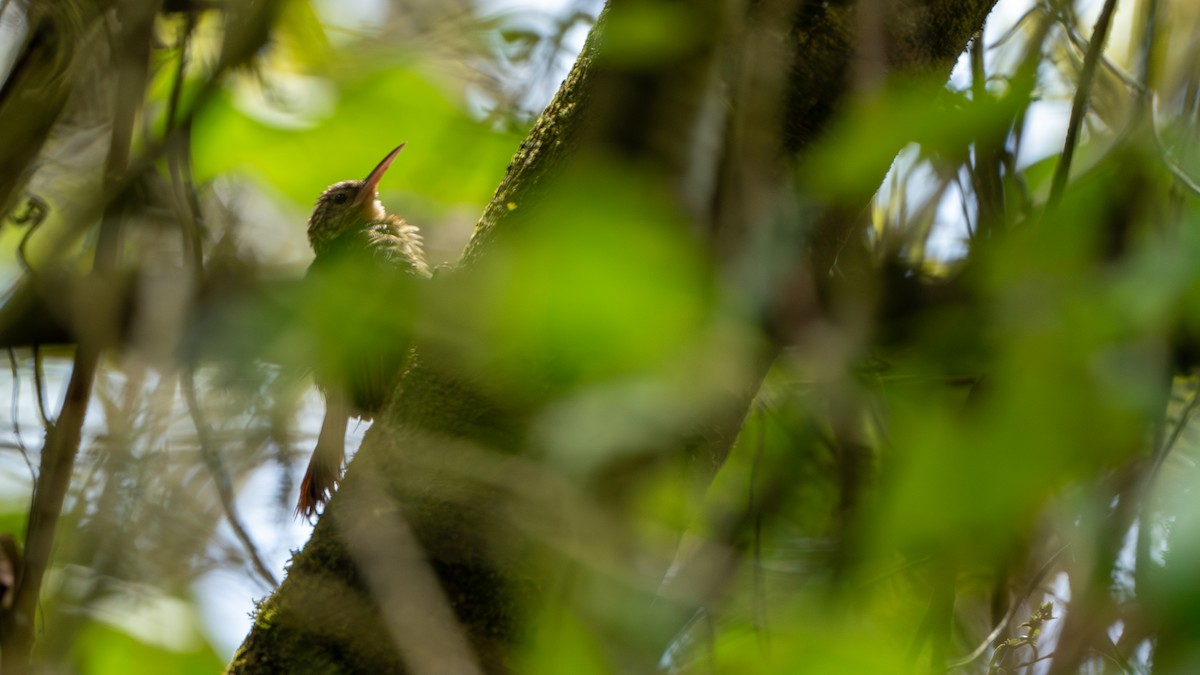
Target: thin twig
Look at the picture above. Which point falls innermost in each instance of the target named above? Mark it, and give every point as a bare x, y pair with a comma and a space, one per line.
1082, 44
154, 149
178, 160
1079, 106
986, 176
212, 459
1034, 582
16, 412
39, 385
962, 201
1147, 72
50, 489
1012, 31
1185, 416
1038, 659
1177, 171
63, 439
22, 256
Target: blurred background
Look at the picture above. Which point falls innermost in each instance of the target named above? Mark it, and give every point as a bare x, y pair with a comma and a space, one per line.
1030, 438
157, 576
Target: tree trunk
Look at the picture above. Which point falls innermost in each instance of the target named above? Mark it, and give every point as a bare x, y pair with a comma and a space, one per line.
446, 536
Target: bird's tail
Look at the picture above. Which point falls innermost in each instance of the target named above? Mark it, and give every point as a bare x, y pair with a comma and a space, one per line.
325, 467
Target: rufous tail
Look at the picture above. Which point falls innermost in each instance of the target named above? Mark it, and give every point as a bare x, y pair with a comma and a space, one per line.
325, 467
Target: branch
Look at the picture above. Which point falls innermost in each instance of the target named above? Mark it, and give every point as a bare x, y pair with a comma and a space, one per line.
1079, 106
63, 439
212, 459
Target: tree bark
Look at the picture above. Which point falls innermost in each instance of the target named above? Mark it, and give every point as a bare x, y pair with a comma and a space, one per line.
439, 489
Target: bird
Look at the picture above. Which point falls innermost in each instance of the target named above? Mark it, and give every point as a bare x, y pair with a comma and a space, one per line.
363, 283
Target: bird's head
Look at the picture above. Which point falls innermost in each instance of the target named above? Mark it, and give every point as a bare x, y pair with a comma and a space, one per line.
346, 205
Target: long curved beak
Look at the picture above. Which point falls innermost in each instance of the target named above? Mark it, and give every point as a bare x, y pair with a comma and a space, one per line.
371, 183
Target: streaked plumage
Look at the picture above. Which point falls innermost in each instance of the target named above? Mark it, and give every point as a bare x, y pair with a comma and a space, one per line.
363, 287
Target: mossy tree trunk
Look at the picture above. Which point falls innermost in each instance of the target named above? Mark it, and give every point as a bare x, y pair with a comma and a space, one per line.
433, 554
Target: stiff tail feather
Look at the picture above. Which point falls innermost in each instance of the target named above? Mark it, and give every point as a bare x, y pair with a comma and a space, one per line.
325, 467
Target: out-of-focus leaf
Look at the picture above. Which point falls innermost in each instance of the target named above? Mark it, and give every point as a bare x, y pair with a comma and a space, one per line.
450, 158
1078, 365
810, 644
102, 649
598, 280
855, 155
563, 645
300, 35
645, 33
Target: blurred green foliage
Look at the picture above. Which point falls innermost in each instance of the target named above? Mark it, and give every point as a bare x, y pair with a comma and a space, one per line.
101, 649
450, 156
969, 442
163, 476
599, 282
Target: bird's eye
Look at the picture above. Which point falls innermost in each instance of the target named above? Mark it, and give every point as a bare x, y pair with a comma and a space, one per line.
340, 198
